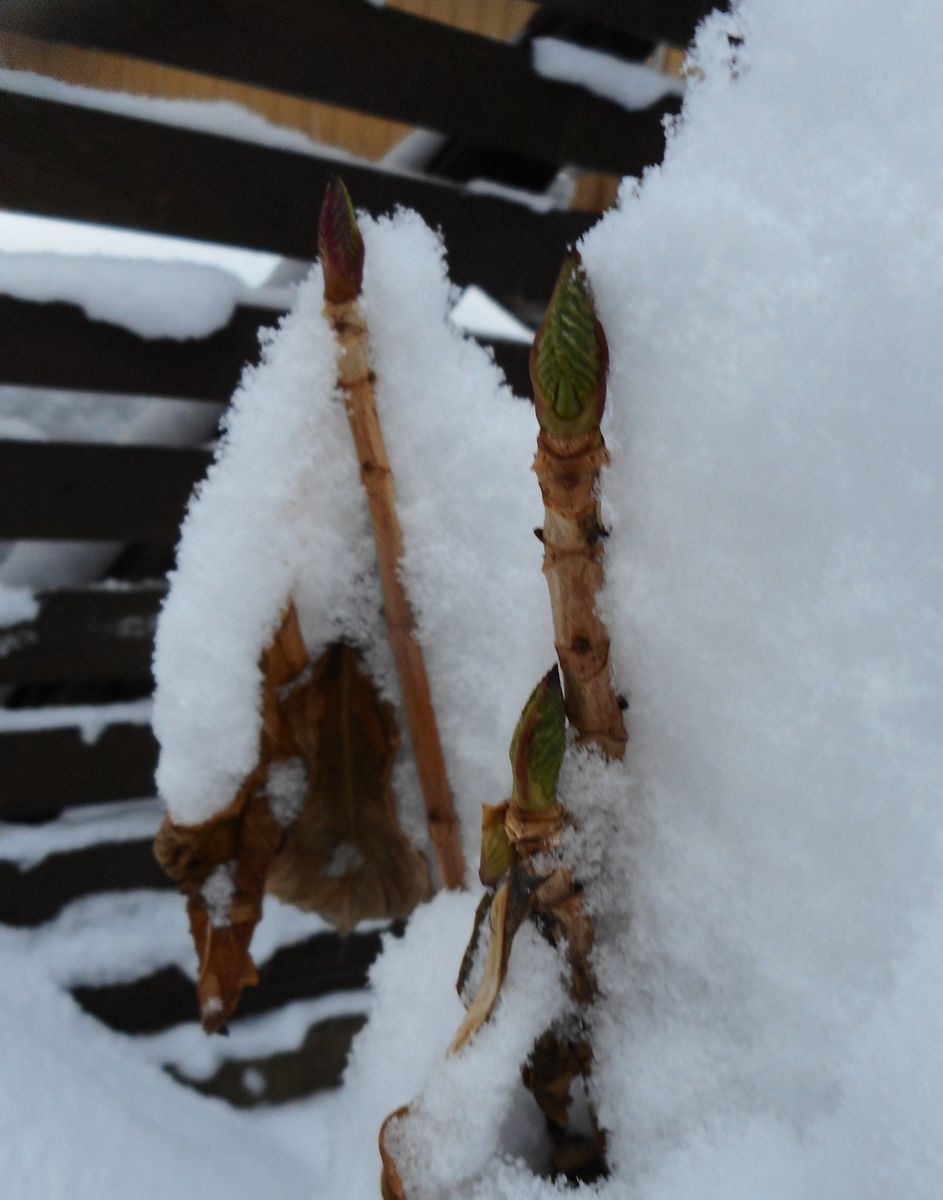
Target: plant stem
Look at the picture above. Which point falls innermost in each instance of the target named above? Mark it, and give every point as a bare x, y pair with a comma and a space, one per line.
568, 367
568, 472
356, 380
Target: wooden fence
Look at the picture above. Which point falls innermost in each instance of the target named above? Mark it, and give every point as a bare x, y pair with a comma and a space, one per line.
62, 160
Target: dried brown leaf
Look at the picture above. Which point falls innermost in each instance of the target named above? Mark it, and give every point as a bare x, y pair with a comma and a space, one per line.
346, 856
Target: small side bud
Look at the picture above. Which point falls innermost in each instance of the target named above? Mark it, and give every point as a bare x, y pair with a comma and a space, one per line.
538, 745
495, 845
570, 358
340, 245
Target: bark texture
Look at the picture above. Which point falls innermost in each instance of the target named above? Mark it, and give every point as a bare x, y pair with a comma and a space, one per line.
356, 380
330, 842
573, 537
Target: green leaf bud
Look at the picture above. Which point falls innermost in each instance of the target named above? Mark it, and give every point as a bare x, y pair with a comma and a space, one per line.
538, 745
570, 358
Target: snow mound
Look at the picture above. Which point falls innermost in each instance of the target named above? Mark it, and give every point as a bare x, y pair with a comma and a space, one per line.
282, 513
762, 871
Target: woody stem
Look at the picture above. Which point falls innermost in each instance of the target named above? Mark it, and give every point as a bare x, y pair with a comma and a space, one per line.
356, 379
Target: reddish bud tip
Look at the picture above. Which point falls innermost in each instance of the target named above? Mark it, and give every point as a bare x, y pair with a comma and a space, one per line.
340, 246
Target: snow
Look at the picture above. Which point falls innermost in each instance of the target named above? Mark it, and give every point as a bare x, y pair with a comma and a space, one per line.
477, 313
25, 233
71, 1086
220, 117
631, 85
153, 299
27, 845
285, 786
218, 892
774, 582
199, 1057
287, 465
763, 870
91, 720
474, 1090
17, 604
109, 1122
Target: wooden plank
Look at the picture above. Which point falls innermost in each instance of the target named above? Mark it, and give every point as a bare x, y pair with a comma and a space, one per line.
66, 490
315, 1066
83, 636
32, 897
369, 58
64, 161
99, 357
661, 20
320, 965
45, 771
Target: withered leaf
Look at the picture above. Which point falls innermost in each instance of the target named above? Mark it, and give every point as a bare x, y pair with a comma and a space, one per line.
482, 912
240, 841
549, 1073
510, 905
346, 856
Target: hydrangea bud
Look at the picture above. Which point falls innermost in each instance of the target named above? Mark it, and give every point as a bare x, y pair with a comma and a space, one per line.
538, 745
570, 358
340, 245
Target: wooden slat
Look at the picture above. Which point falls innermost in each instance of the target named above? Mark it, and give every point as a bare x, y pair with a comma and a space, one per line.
83, 636
317, 1064
34, 896
661, 20
369, 58
323, 964
81, 490
45, 771
60, 160
58, 346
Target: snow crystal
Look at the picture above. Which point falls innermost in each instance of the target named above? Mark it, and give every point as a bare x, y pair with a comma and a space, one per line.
630, 84
287, 467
